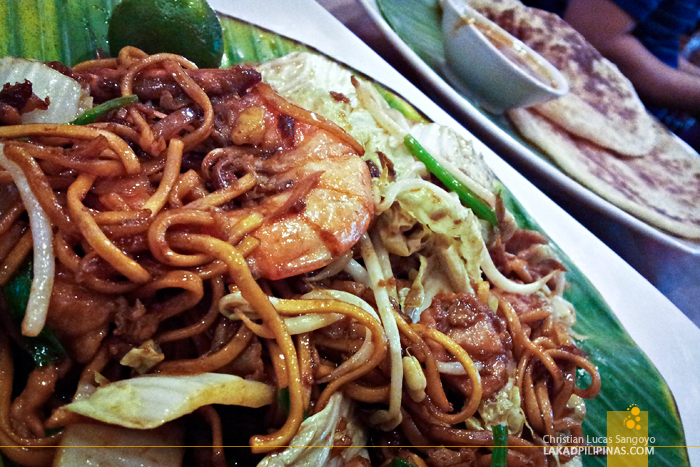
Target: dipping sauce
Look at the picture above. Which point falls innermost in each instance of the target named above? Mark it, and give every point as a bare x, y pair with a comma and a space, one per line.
512, 51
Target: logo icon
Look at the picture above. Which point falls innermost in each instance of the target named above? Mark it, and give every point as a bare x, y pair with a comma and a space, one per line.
628, 441
633, 420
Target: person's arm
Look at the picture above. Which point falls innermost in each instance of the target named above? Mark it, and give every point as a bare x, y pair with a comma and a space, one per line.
609, 28
688, 67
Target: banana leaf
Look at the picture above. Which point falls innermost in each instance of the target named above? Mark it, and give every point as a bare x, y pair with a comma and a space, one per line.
75, 30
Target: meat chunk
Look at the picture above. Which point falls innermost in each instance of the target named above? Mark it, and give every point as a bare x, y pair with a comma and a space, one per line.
526, 255
17, 99
153, 84
79, 317
477, 329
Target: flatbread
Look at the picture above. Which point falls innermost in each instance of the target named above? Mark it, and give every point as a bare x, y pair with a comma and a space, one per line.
602, 105
661, 188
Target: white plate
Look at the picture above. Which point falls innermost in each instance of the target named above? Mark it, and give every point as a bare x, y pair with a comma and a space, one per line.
657, 326
670, 263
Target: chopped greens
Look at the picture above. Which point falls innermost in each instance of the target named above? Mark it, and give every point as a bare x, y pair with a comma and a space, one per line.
398, 462
499, 455
92, 115
470, 200
44, 348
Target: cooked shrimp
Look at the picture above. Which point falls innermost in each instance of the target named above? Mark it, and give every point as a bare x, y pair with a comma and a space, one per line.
314, 192
303, 175
325, 208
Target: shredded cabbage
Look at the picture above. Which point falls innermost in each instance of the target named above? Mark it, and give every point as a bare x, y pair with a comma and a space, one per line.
119, 447
442, 214
143, 357
442, 142
312, 444
503, 408
150, 401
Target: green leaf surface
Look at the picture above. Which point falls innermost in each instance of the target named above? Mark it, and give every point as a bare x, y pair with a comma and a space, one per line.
73, 30
69, 31
398, 103
627, 374
245, 43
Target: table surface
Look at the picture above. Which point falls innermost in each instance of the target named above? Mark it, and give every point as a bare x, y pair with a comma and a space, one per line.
353, 15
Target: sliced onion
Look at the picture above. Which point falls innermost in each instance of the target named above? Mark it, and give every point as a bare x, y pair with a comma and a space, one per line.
310, 322
44, 262
333, 268
307, 322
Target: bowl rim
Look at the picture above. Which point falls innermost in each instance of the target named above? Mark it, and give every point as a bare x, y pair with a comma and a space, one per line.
559, 85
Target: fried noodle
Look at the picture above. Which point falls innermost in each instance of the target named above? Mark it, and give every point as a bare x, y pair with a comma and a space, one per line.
217, 227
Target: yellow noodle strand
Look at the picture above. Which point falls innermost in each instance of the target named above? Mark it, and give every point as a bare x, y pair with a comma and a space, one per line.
96, 238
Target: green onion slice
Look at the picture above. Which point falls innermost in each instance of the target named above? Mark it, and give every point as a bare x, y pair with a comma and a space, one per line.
398, 462
91, 115
480, 208
499, 455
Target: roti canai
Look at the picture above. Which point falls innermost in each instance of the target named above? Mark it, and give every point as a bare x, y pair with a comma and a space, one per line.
661, 188
602, 105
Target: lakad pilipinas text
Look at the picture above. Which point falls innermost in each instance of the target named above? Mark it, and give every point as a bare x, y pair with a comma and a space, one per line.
627, 443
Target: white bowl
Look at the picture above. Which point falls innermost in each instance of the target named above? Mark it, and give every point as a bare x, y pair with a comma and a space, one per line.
490, 65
